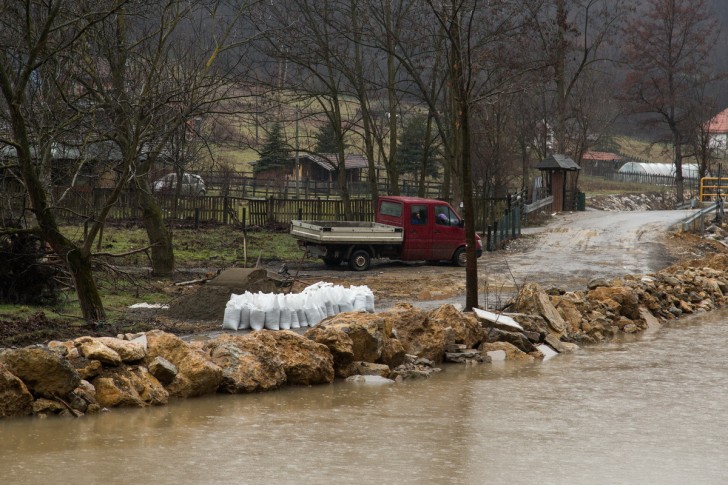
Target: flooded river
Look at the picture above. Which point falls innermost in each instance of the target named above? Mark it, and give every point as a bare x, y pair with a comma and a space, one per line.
654, 410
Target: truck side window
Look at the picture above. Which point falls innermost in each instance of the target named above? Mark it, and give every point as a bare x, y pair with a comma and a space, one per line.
393, 209
443, 216
418, 214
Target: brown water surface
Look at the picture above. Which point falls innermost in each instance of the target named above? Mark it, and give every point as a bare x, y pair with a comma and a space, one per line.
648, 411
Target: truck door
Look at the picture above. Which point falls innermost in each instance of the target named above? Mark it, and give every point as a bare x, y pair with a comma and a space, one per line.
447, 232
418, 233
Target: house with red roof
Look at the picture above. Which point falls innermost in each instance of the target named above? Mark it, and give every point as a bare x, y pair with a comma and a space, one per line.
718, 130
600, 163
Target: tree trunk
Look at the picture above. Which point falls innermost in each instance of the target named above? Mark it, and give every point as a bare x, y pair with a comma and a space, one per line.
393, 166
679, 186
160, 237
364, 106
89, 298
77, 261
461, 125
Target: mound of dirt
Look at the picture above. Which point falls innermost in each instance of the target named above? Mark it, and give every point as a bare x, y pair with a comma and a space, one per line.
207, 303
19, 332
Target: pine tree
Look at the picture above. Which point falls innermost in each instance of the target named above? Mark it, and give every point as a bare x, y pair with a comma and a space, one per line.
275, 153
415, 151
326, 139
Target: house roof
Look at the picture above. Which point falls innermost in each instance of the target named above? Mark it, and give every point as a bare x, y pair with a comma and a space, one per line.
557, 162
329, 161
719, 122
608, 156
100, 151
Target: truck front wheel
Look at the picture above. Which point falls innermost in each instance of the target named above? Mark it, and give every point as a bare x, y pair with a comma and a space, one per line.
460, 258
359, 260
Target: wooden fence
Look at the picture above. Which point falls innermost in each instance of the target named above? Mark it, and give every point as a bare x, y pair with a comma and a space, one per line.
251, 212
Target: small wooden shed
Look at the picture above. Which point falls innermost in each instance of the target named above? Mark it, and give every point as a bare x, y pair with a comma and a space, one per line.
561, 175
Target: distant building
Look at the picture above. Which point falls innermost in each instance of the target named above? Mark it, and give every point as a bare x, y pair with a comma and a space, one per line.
322, 167
600, 163
718, 130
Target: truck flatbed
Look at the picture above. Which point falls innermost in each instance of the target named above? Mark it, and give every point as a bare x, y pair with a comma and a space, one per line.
354, 232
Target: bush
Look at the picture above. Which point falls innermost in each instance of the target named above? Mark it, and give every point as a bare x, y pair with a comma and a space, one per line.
26, 277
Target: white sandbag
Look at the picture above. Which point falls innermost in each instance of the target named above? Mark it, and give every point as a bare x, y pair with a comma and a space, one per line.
329, 308
302, 319
360, 303
294, 320
336, 308
244, 317
369, 303
313, 316
231, 320
346, 306
257, 318
285, 319
273, 319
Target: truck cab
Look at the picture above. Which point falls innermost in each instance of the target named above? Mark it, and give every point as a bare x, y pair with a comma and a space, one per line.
433, 231
406, 228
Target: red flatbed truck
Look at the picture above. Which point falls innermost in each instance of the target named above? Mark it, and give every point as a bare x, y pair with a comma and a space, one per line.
406, 229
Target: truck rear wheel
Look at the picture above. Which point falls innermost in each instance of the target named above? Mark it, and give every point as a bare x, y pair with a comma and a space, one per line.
460, 258
359, 260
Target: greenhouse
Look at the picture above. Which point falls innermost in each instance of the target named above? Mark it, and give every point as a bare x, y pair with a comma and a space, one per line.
689, 170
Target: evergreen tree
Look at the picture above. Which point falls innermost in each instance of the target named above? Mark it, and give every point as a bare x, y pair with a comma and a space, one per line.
275, 152
415, 151
326, 139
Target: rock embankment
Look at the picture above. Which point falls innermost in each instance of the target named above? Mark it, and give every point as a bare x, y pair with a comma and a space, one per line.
90, 374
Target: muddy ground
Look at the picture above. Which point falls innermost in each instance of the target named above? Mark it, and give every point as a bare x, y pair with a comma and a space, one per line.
566, 252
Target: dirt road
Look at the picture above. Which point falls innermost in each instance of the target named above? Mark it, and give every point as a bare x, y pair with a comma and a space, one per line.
569, 251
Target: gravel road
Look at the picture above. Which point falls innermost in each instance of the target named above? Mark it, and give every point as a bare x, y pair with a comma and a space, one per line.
567, 252
576, 247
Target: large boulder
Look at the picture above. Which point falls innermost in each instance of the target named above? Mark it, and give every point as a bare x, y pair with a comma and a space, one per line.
620, 299
15, 399
533, 300
516, 339
305, 362
128, 387
443, 327
363, 337
44, 372
509, 351
242, 368
264, 360
196, 375
129, 351
92, 349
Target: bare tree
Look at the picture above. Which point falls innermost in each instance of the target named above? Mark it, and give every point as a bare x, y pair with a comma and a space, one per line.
33, 78
667, 48
149, 79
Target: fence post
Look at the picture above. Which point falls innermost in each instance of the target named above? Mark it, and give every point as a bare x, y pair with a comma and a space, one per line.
197, 218
225, 210
495, 235
269, 207
300, 213
488, 238
513, 223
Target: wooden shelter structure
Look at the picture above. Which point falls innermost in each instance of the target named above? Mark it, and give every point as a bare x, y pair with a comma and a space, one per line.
561, 174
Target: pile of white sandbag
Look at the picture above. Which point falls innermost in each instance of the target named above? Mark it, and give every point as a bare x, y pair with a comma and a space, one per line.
274, 311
